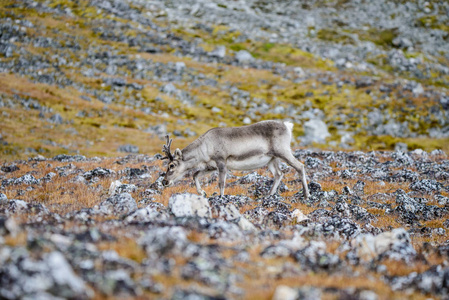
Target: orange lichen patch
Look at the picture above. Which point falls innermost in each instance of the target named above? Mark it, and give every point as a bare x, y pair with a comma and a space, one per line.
261, 287
433, 239
17, 240
386, 222
125, 247
401, 268
197, 237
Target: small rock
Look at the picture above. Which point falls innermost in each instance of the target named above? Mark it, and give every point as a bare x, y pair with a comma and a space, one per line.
8, 226
426, 186
219, 52
98, 172
315, 132
147, 214
165, 240
9, 169
244, 56
284, 292
298, 215
121, 204
26, 179
395, 244
117, 187
3, 198
56, 119
128, 148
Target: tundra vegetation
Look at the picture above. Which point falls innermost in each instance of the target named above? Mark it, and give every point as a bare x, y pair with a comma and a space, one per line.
89, 89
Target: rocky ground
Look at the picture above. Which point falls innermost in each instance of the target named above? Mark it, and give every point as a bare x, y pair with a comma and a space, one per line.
375, 227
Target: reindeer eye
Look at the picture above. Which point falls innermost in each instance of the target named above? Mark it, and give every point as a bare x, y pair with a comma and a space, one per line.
171, 166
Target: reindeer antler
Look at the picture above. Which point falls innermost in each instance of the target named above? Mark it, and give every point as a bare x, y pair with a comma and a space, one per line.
166, 149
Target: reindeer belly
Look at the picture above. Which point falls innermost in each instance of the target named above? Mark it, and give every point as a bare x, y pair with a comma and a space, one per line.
248, 163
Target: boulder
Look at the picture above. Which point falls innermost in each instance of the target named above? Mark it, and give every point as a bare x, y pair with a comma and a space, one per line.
244, 56
24, 277
395, 244
184, 205
121, 205
315, 132
165, 240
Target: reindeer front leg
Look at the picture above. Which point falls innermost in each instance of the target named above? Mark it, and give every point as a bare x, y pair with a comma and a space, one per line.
222, 170
196, 177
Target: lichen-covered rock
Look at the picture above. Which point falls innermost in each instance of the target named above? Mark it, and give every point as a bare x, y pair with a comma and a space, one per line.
8, 226
27, 179
98, 173
146, 215
69, 158
22, 276
121, 205
3, 198
426, 186
315, 257
118, 283
226, 231
19, 206
128, 148
164, 240
182, 205
117, 187
434, 281
237, 200
395, 244
10, 168
256, 215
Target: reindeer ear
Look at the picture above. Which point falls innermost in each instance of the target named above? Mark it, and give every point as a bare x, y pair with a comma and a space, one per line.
178, 154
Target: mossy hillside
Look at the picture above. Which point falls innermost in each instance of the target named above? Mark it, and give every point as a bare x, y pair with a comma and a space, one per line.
125, 112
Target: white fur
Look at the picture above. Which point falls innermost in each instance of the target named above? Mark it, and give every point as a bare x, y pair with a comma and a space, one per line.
289, 126
249, 164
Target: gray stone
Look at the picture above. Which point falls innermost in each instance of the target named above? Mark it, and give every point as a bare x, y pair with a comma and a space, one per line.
315, 131
146, 214
27, 179
128, 148
395, 244
184, 205
426, 186
165, 240
56, 119
98, 173
121, 205
244, 56
8, 225
3, 198
219, 52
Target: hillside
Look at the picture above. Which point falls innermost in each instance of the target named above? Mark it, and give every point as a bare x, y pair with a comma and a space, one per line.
100, 77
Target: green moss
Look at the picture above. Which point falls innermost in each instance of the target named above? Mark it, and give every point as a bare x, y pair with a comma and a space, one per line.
432, 22
332, 35
267, 46
382, 38
237, 47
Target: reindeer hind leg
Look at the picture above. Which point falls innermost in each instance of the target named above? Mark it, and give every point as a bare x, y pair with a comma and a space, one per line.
288, 157
273, 166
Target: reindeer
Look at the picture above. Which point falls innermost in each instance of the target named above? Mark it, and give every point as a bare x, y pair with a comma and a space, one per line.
235, 148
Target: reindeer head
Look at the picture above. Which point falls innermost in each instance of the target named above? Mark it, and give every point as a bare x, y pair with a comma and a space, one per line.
176, 166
